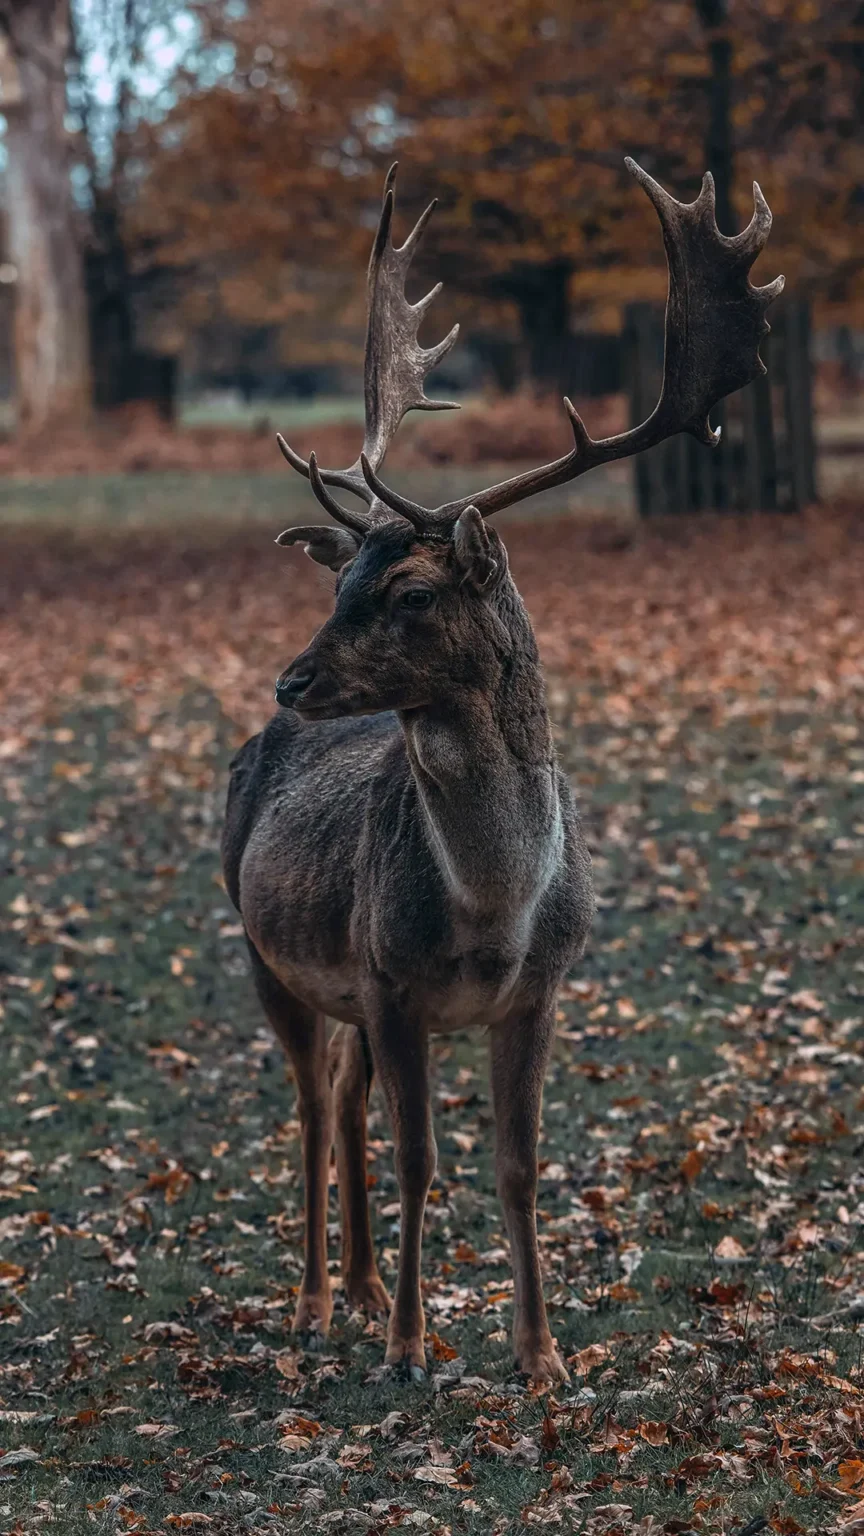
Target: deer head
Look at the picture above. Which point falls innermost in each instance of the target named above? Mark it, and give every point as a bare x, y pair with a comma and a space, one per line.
420, 590
415, 618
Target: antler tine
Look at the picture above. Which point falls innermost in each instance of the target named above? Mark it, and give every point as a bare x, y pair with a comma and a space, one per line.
715, 320
408, 509
395, 370
354, 520
753, 239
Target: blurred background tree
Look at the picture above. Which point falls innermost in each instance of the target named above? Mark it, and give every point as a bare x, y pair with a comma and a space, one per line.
226, 164
43, 236
518, 116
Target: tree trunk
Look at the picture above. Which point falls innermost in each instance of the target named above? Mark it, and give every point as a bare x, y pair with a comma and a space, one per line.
541, 295
719, 151
755, 404
112, 330
51, 346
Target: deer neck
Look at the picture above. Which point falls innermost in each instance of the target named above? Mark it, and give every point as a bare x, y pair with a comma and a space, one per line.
484, 766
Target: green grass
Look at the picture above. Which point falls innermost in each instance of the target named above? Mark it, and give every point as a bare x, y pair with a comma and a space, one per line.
224, 410
278, 499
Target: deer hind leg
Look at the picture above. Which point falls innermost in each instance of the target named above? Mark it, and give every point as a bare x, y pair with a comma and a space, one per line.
519, 1052
302, 1032
351, 1073
400, 1051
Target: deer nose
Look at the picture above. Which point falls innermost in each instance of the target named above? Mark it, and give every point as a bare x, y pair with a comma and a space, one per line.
291, 686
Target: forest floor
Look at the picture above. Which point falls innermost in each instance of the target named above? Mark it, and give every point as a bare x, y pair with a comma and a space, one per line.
702, 1193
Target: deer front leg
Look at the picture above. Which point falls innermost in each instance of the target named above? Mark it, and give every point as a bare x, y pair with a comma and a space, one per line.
519, 1052
303, 1034
400, 1048
352, 1079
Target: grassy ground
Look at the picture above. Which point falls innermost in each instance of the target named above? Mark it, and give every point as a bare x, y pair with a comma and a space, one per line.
276, 499
701, 1197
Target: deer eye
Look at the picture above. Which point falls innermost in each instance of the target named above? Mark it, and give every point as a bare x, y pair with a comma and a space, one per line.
417, 598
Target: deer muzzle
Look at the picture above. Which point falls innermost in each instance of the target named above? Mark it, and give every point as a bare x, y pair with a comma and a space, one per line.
294, 682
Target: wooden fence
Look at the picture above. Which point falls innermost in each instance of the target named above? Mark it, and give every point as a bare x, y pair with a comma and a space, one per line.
766, 459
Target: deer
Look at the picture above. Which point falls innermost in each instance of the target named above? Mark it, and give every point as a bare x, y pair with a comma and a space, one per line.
403, 848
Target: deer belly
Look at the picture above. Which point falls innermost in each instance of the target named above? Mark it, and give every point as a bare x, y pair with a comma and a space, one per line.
332, 990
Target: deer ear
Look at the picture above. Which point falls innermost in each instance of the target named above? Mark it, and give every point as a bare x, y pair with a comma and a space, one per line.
473, 548
325, 545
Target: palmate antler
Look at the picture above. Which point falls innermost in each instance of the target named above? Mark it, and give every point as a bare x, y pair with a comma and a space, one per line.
395, 369
715, 320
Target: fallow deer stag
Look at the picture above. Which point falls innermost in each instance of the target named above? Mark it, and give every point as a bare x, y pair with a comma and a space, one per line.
400, 841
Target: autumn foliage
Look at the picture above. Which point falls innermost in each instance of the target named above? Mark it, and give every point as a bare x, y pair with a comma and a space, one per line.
519, 122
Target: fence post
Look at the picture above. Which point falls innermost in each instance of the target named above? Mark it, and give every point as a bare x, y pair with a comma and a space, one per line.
643, 353
766, 456
798, 402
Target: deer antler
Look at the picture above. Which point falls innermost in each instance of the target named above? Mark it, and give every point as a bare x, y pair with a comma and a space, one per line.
715, 320
395, 370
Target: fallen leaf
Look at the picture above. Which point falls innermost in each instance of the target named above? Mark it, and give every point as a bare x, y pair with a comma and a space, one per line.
692, 1165
586, 1359
729, 1248
653, 1432
447, 1477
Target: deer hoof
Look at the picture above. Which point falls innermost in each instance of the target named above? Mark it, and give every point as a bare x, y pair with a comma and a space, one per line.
404, 1371
542, 1365
368, 1295
310, 1340
312, 1320
406, 1357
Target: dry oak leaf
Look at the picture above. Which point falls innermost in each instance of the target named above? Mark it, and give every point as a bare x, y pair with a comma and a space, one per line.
692, 1165
441, 1349
602, 1199
353, 1457
621, 1291
586, 1359
189, 1520
851, 1474
287, 1364
297, 1433
730, 1248
393, 1424
156, 1431
447, 1477
852, 1519
654, 1432
613, 1437
295, 1424
698, 1466
726, 1295
549, 1434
